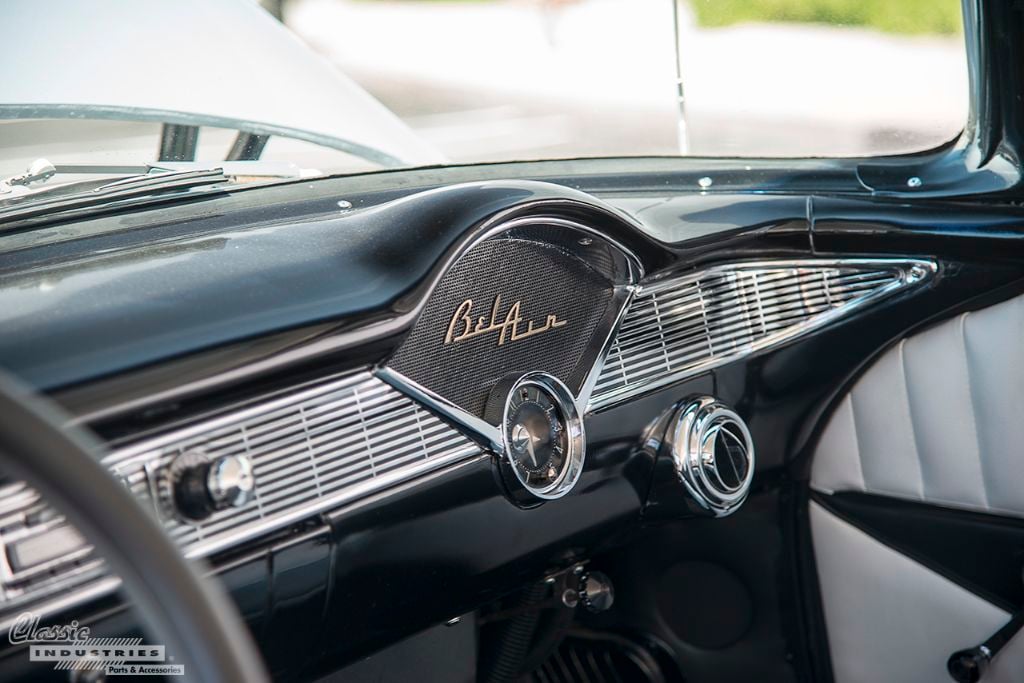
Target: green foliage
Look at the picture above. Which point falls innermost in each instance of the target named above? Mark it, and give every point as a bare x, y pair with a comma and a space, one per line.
892, 16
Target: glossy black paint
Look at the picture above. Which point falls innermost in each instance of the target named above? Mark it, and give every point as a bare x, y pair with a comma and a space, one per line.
96, 314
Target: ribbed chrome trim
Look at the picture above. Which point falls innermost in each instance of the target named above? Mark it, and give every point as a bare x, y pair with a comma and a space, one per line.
681, 326
312, 450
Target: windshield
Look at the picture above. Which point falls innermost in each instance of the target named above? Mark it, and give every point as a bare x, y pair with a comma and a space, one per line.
305, 87
570, 78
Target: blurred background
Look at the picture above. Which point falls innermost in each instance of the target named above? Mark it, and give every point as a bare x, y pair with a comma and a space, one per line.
491, 80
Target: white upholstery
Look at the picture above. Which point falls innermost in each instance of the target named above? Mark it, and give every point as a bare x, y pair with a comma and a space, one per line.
939, 417
892, 619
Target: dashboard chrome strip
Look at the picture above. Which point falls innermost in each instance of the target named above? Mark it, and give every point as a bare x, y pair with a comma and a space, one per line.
313, 450
478, 428
683, 325
583, 401
75, 593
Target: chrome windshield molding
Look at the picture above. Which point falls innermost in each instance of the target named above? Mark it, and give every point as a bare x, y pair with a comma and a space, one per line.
680, 326
488, 435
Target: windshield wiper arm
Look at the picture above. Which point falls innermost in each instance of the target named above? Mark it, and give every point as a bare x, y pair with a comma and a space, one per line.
131, 190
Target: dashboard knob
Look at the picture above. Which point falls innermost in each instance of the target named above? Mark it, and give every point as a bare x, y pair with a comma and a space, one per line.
200, 485
596, 592
230, 481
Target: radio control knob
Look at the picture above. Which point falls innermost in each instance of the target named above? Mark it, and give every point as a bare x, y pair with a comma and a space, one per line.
200, 485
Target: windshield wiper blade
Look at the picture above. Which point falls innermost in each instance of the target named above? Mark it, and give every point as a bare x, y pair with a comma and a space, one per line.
126, 191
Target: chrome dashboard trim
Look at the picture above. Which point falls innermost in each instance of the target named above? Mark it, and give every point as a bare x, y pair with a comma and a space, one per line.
105, 584
664, 360
478, 429
627, 294
481, 430
348, 437
314, 450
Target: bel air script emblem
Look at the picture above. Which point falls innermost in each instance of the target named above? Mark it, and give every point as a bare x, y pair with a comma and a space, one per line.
507, 327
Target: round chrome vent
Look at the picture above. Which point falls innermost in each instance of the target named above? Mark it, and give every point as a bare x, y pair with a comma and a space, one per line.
713, 454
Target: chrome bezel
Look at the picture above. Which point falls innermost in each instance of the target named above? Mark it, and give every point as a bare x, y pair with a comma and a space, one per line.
691, 441
575, 455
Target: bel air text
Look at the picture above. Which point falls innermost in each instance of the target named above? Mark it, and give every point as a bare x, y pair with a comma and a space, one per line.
508, 327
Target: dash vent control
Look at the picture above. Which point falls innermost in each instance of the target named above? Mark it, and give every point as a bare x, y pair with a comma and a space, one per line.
705, 449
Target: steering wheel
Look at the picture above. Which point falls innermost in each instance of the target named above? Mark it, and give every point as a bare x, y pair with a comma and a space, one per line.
191, 616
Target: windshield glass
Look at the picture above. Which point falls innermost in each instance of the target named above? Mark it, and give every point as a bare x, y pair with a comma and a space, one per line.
566, 78
296, 88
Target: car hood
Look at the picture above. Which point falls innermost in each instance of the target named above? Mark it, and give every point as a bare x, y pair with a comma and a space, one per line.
191, 62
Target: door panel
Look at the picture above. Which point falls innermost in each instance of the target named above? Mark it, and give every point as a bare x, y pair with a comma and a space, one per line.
892, 619
938, 419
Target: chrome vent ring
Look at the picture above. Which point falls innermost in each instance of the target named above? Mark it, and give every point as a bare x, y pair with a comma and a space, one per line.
713, 454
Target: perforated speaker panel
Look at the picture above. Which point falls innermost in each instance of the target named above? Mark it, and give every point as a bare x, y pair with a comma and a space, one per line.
545, 280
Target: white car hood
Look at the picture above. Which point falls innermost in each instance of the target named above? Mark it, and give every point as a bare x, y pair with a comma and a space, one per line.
193, 62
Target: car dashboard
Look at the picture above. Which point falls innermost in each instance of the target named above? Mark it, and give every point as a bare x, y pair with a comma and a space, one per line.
372, 413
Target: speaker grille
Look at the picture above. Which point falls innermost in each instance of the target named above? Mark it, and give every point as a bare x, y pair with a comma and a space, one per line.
545, 280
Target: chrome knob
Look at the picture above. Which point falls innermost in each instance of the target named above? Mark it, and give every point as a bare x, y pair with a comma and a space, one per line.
230, 481
197, 485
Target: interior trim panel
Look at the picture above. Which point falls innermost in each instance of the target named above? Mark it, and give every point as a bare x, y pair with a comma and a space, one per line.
892, 619
680, 326
312, 449
937, 418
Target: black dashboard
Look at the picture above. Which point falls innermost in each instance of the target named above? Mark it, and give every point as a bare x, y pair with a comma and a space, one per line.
356, 352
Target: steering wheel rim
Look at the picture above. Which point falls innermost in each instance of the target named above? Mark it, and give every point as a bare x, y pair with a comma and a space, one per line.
189, 614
